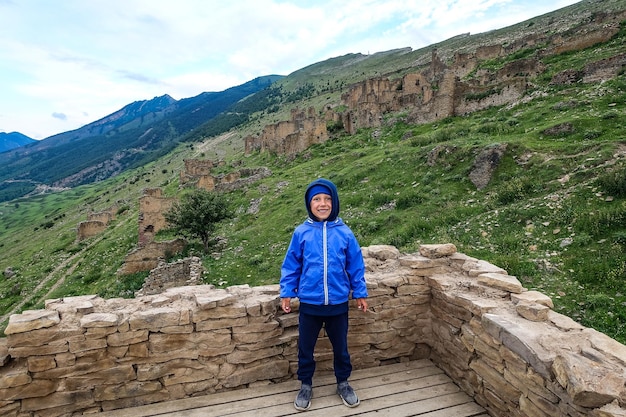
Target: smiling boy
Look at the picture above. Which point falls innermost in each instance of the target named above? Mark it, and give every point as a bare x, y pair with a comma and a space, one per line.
323, 267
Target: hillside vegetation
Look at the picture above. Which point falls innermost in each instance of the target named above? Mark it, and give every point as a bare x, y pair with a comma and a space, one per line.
553, 213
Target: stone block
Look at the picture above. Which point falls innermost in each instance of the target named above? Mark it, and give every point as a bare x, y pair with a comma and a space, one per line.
14, 377
127, 338
381, 252
226, 312
495, 380
99, 320
288, 320
268, 370
532, 297
247, 338
86, 380
249, 356
501, 282
610, 410
417, 262
521, 339
99, 332
530, 409
136, 401
154, 372
437, 251
215, 324
548, 404
31, 320
589, 382
85, 345
198, 342
414, 290
28, 351
563, 323
156, 318
475, 267
36, 389
131, 389
59, 399
41, 363
138, 350
532, 312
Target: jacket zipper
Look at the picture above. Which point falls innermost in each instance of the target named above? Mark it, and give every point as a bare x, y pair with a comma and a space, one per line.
325, 250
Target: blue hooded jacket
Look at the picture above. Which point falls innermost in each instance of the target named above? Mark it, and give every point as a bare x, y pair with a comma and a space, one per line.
323, 263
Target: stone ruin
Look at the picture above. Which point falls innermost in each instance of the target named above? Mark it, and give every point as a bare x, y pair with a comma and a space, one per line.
290, 137
96, 223
197, 173
181, 273
147, 257
152, 206
439, 90
502, 344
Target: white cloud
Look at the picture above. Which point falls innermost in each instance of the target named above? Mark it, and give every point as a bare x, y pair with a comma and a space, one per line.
87, 59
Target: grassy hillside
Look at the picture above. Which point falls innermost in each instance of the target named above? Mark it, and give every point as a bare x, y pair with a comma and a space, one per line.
553, 214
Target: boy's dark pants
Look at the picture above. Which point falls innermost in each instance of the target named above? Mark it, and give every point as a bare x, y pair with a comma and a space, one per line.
337, 331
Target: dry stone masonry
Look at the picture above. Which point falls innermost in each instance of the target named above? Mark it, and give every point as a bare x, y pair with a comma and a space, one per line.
439, 88
183, 272
96, 223
502, 344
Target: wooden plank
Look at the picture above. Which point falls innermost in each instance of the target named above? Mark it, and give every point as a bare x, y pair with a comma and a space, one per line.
423, 407
326, 396
464, 410
417, 387
405, 368
326, 402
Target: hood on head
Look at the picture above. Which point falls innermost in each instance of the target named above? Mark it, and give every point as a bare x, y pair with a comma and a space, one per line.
332, 191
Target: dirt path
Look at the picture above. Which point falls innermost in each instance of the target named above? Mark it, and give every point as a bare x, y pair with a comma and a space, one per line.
61, 279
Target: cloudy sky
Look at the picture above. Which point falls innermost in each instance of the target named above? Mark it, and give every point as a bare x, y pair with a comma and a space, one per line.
67, 63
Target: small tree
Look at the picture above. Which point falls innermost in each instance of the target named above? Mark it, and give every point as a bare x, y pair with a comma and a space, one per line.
197, 214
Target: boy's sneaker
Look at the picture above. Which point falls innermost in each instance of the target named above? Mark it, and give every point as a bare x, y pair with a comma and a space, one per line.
303, 399
347, 394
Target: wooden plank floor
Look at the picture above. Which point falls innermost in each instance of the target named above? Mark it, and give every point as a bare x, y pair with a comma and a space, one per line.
416, 388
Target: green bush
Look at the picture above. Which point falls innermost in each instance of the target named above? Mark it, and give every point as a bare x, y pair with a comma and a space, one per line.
614, 182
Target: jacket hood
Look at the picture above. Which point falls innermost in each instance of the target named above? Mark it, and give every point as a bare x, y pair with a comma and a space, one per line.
332, 191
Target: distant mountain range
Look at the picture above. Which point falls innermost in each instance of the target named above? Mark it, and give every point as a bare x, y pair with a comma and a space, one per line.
138, 133
13, 140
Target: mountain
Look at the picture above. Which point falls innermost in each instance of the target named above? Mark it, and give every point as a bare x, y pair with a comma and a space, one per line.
134, 115
13, 140
137, 134
551, 164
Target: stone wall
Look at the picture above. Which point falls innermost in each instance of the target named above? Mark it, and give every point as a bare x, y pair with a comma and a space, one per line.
146, 257
96, 223
441, 89
197, 173
152, 205
89, 228
502, 344
195, 170
290, 137
181, 273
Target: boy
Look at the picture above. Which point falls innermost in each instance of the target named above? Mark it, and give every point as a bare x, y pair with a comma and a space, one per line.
323, 264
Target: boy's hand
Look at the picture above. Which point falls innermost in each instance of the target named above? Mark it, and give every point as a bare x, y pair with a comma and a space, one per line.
361, 304
285, 304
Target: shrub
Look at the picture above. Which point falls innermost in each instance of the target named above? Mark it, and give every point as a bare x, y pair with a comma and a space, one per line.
614, 182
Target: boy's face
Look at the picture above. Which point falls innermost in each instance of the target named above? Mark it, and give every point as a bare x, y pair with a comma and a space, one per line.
321, 206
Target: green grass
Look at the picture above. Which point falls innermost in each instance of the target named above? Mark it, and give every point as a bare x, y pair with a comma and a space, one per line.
553, 214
